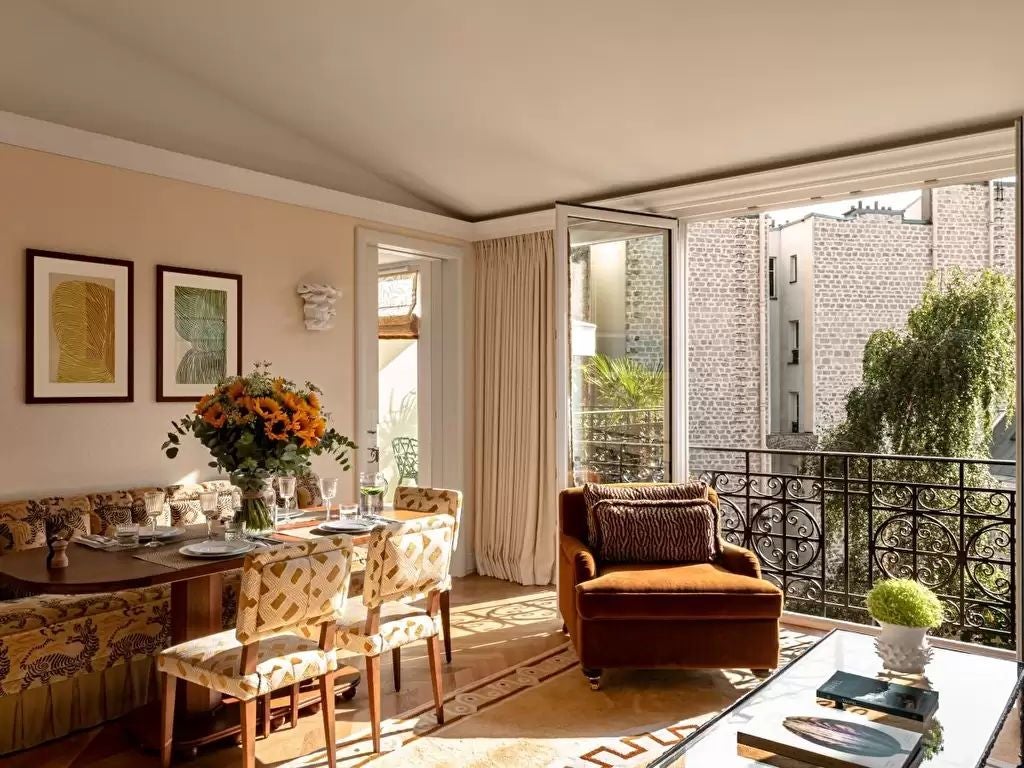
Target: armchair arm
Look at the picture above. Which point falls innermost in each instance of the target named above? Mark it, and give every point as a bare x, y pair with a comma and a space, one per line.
739, 560
584, 565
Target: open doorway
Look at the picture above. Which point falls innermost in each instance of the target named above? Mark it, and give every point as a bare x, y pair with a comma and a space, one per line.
404, 357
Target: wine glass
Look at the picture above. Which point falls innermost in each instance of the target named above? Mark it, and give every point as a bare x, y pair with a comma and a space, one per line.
208, 502
329, 489
286, 487
154, 508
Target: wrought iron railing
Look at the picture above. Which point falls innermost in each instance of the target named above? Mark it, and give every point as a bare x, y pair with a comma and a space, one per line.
827, 526
620, 445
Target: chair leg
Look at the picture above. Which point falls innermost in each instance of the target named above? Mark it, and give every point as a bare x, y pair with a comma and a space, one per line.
434, 656
373, 691
446, 624
248, 711
396, 666
593, 677
294, 716
168, 688
265, 725
327, 708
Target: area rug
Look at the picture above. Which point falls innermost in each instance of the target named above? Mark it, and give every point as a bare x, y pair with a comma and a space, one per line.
542, 712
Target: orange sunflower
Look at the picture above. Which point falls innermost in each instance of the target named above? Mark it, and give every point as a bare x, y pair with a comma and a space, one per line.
236, 389
264, 407
215, 416
277, 426
292, 401
314, 401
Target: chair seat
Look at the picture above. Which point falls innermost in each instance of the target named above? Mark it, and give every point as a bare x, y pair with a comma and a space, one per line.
669, 591
400, 625
213, 662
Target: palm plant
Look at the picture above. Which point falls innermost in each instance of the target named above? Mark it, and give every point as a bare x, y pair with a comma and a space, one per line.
622, 382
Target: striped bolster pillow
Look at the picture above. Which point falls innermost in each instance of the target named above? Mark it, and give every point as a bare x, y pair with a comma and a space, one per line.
595, 492
667, 531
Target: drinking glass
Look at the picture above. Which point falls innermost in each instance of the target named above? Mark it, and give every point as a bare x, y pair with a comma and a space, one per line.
328, 489
208, 501
371, 493
286, 487
154, 507
127, 534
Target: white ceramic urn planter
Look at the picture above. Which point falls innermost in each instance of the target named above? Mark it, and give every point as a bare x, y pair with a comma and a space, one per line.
903, 649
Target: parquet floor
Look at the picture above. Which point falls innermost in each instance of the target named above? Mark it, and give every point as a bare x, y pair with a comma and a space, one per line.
495, 625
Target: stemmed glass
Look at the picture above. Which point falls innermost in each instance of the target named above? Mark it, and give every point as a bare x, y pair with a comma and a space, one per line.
329, 489
286, 487
208, 502
154, 508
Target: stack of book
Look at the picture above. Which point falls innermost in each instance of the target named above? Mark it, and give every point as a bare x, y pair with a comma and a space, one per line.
837, 738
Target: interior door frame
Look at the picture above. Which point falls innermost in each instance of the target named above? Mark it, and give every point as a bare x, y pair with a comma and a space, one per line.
448, 411
679, 442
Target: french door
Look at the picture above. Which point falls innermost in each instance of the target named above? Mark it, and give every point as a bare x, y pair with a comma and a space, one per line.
621, 351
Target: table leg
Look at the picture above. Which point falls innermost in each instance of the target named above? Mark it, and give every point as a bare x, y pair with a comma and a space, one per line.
196, 612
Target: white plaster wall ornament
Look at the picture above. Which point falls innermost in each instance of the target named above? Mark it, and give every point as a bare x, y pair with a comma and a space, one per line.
319, 308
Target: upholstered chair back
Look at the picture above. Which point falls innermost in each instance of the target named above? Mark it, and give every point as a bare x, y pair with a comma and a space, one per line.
293, 588
435, 501
406, 561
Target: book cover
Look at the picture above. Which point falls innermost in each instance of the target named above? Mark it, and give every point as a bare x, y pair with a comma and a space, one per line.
832, 739
882, 696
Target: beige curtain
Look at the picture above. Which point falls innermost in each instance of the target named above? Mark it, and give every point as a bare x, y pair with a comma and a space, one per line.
515, 516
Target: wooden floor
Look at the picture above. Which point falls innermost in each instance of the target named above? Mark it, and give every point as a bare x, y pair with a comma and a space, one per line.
495, 624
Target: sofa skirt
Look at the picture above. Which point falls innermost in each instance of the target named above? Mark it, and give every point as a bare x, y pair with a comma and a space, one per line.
86, 700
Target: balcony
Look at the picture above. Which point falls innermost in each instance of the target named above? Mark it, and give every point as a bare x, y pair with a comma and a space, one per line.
826, 526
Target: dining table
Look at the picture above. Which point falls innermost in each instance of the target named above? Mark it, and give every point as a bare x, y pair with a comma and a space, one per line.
196, 588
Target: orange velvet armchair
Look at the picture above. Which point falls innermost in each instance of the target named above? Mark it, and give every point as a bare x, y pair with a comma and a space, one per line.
654, 615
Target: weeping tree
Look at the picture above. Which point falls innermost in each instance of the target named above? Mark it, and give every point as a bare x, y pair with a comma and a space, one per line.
933, 389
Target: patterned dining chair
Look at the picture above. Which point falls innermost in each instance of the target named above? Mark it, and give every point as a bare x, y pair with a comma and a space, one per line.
435, 501
298, 588
405, 562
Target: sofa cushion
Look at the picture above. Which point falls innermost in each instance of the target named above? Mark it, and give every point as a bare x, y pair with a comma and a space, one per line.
23, 523
670, 531
118, 507
595, 492
692, 591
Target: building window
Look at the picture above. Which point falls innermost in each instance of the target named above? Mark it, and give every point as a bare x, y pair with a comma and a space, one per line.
771, 278
794, 342
794, 411
792, 268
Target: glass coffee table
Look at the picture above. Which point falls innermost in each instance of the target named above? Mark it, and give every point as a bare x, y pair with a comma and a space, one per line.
976, 695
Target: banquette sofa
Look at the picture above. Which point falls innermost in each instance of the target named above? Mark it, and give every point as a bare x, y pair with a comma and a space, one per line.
715, 614
71, 662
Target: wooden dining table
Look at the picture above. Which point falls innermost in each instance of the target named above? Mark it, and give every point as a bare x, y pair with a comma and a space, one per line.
196, 588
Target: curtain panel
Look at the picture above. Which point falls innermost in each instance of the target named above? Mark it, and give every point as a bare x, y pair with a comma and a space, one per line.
514, 426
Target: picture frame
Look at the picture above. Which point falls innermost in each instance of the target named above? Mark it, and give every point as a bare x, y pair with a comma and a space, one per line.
79, 328
198, 331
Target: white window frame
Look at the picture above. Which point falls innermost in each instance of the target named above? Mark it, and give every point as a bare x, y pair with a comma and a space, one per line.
678, 363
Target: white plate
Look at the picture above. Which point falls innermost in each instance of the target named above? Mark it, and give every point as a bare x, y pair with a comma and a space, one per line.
348, 526
215, 549
161, 532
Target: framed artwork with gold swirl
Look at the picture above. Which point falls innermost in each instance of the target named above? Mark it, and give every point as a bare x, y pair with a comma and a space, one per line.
78, 328
199, 331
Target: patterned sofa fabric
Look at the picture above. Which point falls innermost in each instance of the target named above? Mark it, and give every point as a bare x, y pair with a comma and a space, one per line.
47, 639
183, 505
23, 523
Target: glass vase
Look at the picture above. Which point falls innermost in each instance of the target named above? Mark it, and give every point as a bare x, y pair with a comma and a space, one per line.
258, 499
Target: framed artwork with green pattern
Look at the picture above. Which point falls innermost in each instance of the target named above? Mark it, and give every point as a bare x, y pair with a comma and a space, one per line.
198, 331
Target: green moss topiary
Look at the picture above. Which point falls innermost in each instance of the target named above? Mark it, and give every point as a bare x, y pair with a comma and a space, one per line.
904, 602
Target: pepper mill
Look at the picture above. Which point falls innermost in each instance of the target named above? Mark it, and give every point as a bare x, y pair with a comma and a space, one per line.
58, 557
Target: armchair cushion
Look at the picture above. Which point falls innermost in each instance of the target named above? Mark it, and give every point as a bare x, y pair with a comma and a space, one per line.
693, 591
595, 492
646, 531
582, 559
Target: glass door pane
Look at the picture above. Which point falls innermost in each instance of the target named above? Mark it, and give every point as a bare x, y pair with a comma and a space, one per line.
619, 351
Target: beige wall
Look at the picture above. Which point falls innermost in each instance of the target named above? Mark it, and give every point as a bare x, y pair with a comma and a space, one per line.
57, 203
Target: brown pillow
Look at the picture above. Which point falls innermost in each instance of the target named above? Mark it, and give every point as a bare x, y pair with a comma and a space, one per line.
667, 531
595, 492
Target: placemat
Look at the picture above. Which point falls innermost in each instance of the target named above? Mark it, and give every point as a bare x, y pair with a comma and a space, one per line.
167, 554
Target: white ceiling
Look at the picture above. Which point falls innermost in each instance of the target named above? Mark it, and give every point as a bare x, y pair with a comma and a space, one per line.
481, 107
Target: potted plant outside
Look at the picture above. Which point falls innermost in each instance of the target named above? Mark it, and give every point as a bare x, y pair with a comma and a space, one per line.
905, 610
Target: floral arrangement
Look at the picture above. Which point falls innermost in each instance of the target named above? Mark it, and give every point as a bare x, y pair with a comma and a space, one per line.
257, 426
904, 602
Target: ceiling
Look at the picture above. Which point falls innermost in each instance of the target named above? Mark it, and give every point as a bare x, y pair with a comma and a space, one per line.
477, 108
